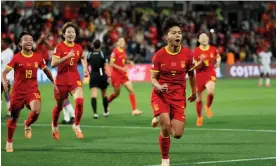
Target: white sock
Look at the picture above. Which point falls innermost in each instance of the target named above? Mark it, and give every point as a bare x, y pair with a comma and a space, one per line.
66, 115
260, 81
71, 112
268, 81
8, 104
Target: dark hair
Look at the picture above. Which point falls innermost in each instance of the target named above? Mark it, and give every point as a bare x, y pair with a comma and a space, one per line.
67, 25
7, 40
23, 34
97, 44
170, 22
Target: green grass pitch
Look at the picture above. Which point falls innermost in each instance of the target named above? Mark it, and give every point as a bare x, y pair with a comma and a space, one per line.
242, 132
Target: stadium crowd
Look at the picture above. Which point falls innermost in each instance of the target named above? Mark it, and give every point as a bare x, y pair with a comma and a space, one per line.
140, 26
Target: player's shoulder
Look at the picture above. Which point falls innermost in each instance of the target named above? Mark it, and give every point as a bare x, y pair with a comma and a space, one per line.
37, 55
159, 53
187, 52
77, 46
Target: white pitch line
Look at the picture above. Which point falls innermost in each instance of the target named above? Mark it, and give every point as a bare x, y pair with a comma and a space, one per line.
224, 161
150, 128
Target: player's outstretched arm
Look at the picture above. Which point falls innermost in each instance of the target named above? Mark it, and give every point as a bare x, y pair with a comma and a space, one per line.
57, 60
4, 78
50, 77
191, 75
84, 65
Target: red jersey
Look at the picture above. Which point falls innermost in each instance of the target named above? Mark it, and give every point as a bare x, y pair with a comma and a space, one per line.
67, 72
25, 72
172, 68
118, 56
209, 55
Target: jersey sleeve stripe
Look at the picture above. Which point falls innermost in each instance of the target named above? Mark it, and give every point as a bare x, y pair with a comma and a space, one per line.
56, 56
9, 67
155, 71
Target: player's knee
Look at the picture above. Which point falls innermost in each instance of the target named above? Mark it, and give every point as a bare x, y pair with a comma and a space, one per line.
36, 111
131, 91
166, 128
177, 136
14, 115
198, 99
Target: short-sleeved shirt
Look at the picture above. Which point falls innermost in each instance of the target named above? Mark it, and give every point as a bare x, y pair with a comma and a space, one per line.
209, 55
67, 72
118, 57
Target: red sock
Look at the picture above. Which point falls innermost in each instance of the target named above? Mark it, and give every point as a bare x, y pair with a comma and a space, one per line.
55, 116
11, 127
210, 98
132, 101
32, 118
199, 108
111, 97
164, 144
78, 110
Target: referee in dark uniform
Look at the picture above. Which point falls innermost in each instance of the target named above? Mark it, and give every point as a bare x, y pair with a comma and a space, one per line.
98, 78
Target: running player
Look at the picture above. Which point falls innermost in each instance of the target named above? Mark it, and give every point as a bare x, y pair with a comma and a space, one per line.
207, 58
168, 100
6, 56
66, 57
118, 61
25, 88
98, 78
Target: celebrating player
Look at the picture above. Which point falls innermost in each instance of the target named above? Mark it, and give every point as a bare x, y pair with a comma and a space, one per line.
118, 62
206, 58
169, 68
6, 56
25, 89
66, 57
265, 60
98, 78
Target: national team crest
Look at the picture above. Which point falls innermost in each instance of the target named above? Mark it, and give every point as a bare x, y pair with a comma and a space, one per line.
183, 64
155, 107
36, 64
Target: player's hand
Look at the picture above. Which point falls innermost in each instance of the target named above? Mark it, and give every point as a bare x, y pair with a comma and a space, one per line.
71, 54
86, 73
109, 80
163, 88
125, 69
131, 63
192, 98
216, 65
5, 85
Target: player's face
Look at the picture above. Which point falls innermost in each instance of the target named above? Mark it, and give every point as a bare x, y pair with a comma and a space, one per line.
121, 43
174, 36
203, 39
26, 42
70, 34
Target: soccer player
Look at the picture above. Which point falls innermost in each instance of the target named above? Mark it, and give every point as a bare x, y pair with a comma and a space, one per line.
6, 56
168, 100
265, 60
98, 78
66, 57
25, 89
206, 58
118, 61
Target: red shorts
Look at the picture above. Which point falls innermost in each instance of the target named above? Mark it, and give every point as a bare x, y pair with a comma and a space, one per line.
203, 78
118, 79
64, 90
162, 103
19, 101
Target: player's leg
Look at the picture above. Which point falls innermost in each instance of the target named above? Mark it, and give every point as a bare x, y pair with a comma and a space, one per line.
260, 84
105, 102
66, 113
78, 97
199, 100
116, 84
35, 108
15, 107
132, 98
94, 92
267, 72
210, 87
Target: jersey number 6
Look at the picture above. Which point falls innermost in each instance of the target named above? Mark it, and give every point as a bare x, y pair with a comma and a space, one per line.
72, 61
